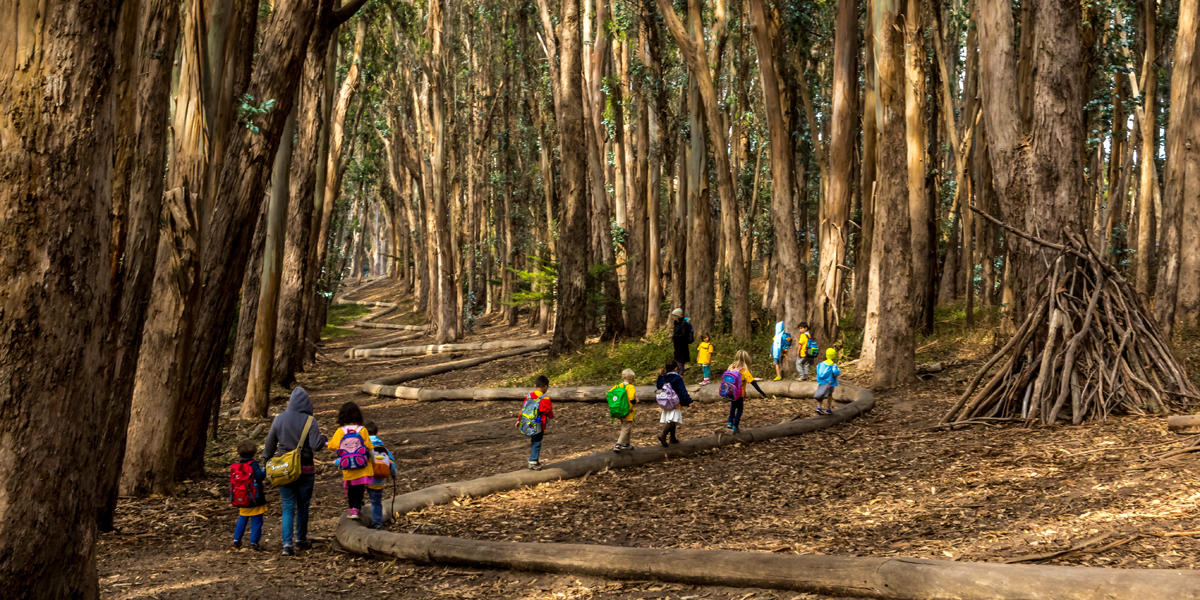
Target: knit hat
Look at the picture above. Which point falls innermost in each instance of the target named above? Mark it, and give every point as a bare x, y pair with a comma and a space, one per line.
677, 312
831, 353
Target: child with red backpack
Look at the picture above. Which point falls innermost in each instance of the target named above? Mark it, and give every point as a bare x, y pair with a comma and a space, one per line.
536, 413
353, 446
733, 387
246, 493
384, 465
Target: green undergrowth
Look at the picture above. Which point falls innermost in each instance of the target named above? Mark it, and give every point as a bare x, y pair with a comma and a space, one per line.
339, 315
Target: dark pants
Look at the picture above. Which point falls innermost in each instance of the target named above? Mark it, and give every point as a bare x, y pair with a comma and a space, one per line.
735, 413
668, 432
354, 494
295, 498
535, 446
255, 528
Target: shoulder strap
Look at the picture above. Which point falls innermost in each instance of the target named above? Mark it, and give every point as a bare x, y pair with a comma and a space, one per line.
303, 441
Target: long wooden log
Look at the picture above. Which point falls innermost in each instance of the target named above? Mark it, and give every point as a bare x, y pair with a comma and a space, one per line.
1184, 423
892, 578
427, 349
388, 341
386, 386
645, 393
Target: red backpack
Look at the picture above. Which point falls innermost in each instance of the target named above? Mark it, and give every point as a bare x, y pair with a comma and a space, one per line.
243, 489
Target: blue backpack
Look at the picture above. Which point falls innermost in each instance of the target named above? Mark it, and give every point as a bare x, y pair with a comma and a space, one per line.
529, 422
812, 349
731, 385
352, 452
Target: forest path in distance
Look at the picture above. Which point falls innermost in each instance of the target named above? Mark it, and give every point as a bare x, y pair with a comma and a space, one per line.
884, 484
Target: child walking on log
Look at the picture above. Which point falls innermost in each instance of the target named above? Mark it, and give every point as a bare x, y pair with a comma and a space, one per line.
672, 395
384, 466
535, 415
353, 446
246, 493
733, 387
704, 353
827, 380
621, 399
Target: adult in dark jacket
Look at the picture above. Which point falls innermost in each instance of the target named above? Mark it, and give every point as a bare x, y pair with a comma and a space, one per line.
681, 337
296, 496
672, 418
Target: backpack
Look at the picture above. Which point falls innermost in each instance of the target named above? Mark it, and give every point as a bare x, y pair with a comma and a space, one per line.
618, 401
666, 397
352, 452
812, 349
786, 343
731, 385
243, 489
382, 463
529, 422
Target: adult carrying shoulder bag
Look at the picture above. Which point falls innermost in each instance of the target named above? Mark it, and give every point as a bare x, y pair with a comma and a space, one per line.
285, 468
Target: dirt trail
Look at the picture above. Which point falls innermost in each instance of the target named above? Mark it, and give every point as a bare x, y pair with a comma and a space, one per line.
884, 484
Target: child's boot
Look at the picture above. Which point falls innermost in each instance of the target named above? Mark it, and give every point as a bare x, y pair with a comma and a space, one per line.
674, 440
662, 437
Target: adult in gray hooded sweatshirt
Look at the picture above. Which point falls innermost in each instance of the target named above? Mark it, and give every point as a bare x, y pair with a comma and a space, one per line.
296, 496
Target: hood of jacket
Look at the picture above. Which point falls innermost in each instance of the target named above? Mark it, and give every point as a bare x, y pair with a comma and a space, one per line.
299, 401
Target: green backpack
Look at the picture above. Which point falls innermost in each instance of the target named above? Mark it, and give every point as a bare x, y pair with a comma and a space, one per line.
618, 401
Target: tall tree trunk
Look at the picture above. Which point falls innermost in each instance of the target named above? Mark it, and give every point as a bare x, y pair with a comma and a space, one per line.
1027, 194
237, 196
862, 258
144, 64
888, 341
693, 49
149, 461
920, 211
248, 297
1182, 190
783, 219
698, 240
570, 321
833, 232
1148, 183
60, 296
258, 386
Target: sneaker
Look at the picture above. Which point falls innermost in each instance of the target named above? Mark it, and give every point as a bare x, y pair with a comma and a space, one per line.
288, 551
777, 378
237, 544
535, 465
304, 545
618, 448
352, 513
376, 525
255, 547
705, 381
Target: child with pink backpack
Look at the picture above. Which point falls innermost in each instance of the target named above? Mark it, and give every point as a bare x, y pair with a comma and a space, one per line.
353, 446
733, 387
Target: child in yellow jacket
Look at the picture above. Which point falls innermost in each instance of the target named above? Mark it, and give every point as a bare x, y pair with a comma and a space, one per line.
626, 423
353, 446
704, 353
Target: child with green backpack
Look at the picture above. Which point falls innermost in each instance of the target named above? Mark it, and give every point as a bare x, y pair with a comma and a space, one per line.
621, 398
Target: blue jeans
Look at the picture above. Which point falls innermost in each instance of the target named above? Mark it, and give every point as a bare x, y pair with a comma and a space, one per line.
535, 446
376, 506
735, 413
295, 498
255, 528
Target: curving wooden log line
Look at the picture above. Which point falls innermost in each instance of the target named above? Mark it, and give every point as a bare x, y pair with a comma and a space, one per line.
400, 351
791, 389
893, 578
388, 341
386, 386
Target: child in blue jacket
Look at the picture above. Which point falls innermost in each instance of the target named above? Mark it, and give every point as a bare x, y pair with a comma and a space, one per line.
827, 379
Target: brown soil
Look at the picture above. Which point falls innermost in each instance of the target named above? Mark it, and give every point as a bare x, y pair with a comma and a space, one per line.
884, 485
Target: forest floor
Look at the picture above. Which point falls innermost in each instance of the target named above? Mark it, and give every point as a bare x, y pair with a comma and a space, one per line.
887, 484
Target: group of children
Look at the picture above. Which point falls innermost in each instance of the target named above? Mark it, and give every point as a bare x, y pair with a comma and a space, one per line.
364, 460
672, 395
